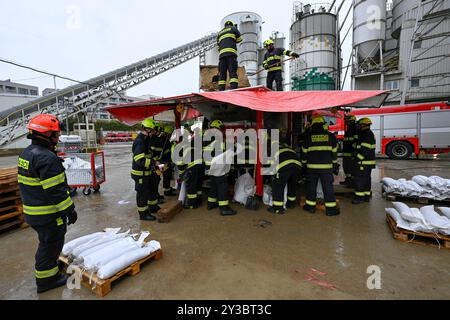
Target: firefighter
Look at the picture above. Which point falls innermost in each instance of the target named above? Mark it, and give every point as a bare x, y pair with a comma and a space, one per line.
348, 149
287, 172
190, 166
320, 162
364, 161
47, 205
227, 39
156, 143
167, 160
272, 63
143, 172
218, 191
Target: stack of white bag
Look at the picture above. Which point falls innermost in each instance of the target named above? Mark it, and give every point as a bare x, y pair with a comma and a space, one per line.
425, 219
109, 252
433, 187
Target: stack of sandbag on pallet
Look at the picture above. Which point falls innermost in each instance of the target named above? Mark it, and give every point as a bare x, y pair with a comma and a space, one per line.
433, 187
425, 219
107, 253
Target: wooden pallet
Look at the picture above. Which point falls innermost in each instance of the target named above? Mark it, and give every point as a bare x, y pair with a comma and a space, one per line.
430, 239
103, 287
169, 210
11, 211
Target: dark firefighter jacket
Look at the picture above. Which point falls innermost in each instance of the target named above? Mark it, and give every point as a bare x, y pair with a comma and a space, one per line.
227, 39
319, 150
365, 148
43, 185
349, 141
142, 157
272, 60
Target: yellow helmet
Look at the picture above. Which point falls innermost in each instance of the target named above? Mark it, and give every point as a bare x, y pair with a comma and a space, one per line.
149, 123
317, 119
217, 124
365, 121
268, 42
228, 23
168, 129
350, 117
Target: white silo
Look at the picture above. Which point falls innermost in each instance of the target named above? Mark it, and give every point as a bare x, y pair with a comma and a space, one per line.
314, 36
369, 27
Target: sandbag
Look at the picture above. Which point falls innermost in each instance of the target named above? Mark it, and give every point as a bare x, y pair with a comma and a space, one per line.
445, 211
95, 242
97, 259
127, 259
434, 219
408, 214
69, 246
401, 223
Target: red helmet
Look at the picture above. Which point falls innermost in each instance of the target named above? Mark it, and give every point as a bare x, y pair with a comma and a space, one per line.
44, 123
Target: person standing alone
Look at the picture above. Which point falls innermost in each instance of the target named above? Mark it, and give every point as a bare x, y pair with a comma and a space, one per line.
227, 41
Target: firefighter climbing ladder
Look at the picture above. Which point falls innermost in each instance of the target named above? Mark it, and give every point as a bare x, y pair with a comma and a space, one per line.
78, 98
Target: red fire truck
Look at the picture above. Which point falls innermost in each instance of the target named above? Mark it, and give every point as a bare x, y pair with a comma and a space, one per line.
403, 131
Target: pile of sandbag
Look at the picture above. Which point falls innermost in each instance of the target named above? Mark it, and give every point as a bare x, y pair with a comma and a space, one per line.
425, 219
109, 252
433, 187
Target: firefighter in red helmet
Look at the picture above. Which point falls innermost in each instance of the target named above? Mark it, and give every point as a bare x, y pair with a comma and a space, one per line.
47, 205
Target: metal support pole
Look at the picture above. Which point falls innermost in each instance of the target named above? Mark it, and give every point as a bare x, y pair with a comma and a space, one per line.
258, 176
381, 67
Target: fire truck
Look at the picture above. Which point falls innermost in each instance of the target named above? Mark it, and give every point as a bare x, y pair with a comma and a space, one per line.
406, 130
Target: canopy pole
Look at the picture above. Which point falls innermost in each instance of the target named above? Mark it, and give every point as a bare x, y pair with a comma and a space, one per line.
289, 128
258, 176
177, 118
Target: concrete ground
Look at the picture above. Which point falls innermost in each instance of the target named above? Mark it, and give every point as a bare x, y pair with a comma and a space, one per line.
207, 256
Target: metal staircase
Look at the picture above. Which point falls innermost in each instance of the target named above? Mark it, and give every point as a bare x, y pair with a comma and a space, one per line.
78, 98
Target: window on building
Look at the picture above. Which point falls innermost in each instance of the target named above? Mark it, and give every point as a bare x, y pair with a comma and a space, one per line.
34, 92
10, 89
1, 88
391, 85
415, 82
23, 91
417, 44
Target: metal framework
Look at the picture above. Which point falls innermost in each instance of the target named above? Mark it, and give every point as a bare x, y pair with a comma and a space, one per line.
78, 98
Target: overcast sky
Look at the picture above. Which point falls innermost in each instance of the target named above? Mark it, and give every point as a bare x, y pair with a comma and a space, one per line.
82, 39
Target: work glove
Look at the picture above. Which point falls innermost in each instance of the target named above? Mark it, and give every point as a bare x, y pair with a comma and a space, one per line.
72, 217
266, 67
295, 55
336, 167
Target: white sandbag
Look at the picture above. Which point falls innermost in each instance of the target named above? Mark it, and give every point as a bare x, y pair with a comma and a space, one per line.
114, 249
127, 259
445, 211
97, 248
420, 180
95, 242
401, 223
434, 219
97, 259
69, 246
243, 188
221, 164
408, 213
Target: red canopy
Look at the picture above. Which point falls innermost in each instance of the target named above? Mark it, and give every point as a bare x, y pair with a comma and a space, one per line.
256, 98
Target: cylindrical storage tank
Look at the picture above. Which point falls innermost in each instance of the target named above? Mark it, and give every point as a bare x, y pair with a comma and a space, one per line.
369, 27
249, 25
313, 37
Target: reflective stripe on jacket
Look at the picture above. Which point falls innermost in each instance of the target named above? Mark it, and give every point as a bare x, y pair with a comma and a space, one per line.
227, 40
43, 185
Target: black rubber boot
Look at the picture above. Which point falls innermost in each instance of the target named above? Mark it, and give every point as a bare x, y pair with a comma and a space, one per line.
227, 211
212, 205
56, 281
154, 209
290, 204
358, 200
332, 212
309, 209
147, 216
276, 211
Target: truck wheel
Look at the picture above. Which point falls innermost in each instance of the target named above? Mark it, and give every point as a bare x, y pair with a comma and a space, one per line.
96, 188
87, 191
399, 150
